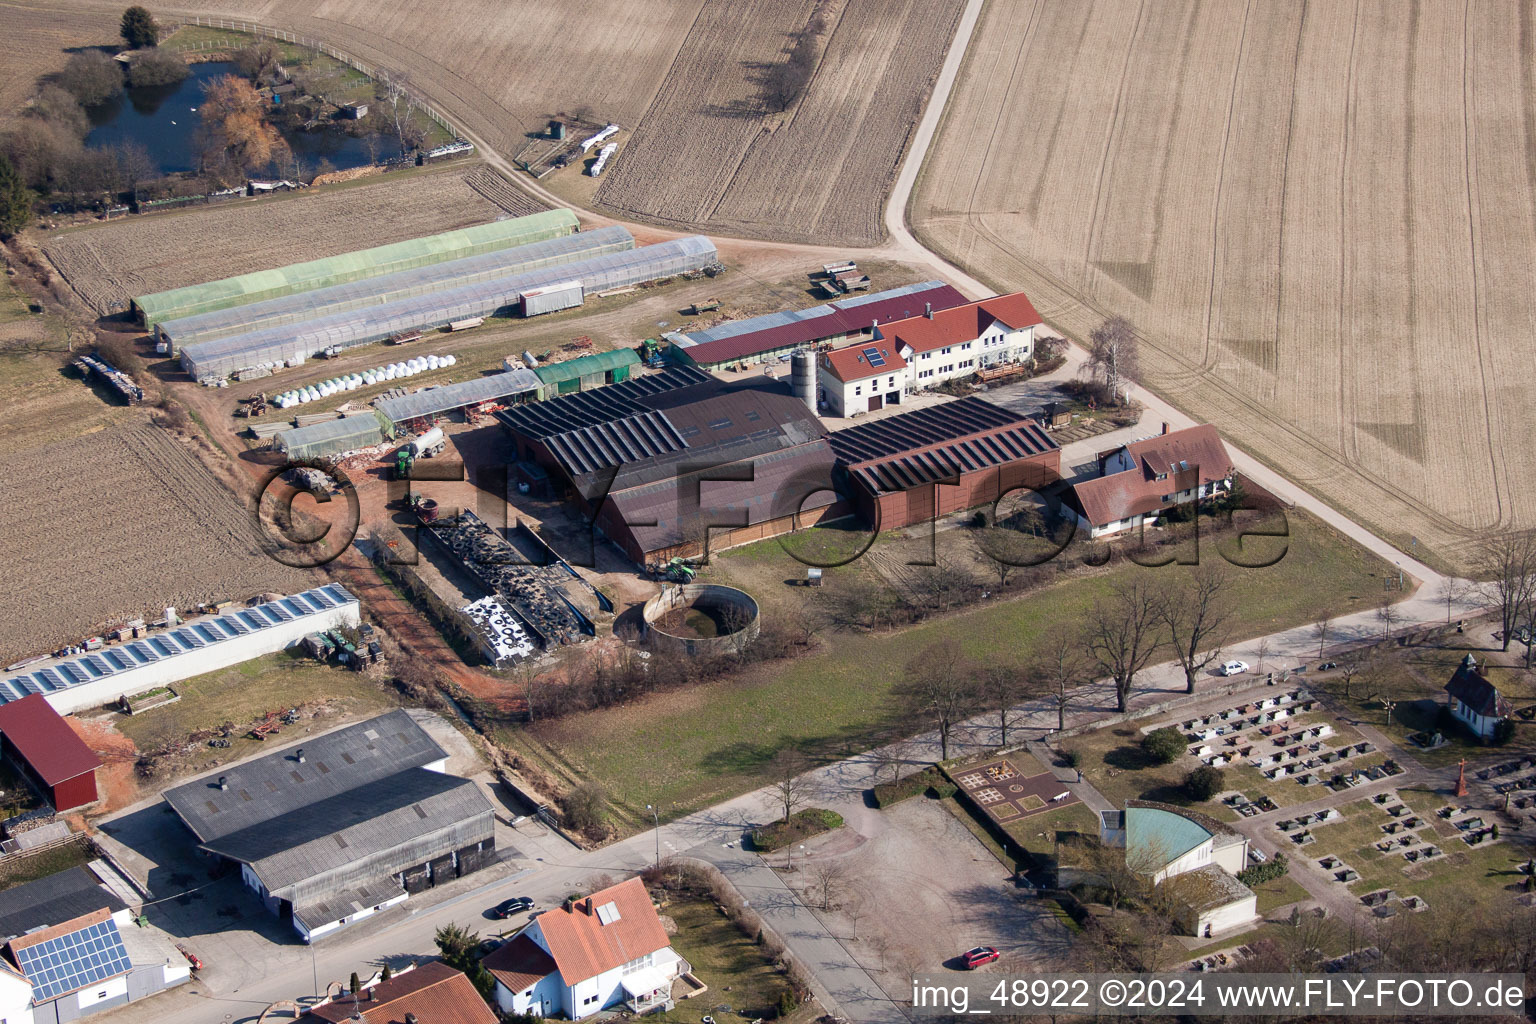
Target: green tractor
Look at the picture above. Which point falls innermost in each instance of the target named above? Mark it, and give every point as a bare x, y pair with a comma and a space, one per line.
404, 460
679, 571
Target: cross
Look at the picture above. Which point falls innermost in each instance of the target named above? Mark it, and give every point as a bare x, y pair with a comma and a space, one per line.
1461, 779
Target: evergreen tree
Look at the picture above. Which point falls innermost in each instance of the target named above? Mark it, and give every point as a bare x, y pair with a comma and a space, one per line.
139, 29
15, 200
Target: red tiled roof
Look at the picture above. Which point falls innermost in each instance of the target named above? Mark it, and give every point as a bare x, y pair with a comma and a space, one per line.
434, 992
1188, 457
850, 364
44, 740
961, 323
583, 947
830, 325
519, 964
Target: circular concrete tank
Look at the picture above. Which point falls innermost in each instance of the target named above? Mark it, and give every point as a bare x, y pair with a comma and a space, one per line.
701, 618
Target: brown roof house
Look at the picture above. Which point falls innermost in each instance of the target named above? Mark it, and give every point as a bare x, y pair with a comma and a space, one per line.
1474, 700
433, 993
587, 955
1142, 479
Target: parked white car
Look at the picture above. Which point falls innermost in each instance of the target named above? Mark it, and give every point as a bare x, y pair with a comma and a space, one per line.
1233, 668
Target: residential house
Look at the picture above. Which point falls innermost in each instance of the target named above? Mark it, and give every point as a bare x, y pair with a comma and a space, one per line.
861, 378
1143, 479
606, 949
432, 993
1475, 701
944, 344
1194, 857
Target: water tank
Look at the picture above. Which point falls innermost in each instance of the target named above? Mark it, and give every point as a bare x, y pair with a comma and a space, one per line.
802, 366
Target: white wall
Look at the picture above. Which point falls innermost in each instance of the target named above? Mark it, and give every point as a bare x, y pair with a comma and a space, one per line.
1199, 857
845, 399
195, 663
995, 345
1237, 914
545, 998
15, 1000
1232, 859
112, 988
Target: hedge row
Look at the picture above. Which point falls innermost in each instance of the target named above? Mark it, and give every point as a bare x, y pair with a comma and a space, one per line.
927, 780
812, 821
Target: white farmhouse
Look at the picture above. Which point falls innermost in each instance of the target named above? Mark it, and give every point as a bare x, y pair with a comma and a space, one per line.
587, 955
1140, 480
862, 378
956, 342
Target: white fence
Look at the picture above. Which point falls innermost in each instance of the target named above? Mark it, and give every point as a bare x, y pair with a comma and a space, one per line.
377, 74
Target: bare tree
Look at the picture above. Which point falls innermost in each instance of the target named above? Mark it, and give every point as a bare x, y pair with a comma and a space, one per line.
1452, 589
1388, 615
1061, 670
1198, 618
1260, 653
1122, 635
1350, 667
1002, 688
1112, 355
941, 687
1508, 563
827, 882
1320, 629
792, 786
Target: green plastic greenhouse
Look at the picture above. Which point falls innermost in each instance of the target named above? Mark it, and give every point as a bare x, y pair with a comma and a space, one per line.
352, 266
338, 298
585, 372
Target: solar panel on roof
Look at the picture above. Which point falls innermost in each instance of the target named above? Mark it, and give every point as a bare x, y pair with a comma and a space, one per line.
874, 357
73, 961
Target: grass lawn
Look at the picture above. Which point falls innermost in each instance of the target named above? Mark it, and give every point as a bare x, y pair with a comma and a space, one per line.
40, 865
1465, 876
692, 748
732, 965
1278, 892
248, 691
1037, 833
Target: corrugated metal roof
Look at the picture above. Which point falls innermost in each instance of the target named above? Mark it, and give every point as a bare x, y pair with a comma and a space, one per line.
743, 338
436, 401
192, 635
328, 437
920, 428
306, 305
597, 406
997, 448
581, 366
441, 307
605, 445
353, 266
275, 784
44, 740
352, 826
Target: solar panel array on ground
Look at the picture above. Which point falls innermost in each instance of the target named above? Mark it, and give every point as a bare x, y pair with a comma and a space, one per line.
72, 961
353, 266
302, 306
90, 666
292, 342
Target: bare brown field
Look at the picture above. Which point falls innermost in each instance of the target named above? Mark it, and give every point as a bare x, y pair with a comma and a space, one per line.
117, 523
1321, 218
705, 156
108, 264
36, 39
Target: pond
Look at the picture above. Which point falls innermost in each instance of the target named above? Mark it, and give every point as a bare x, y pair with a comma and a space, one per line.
164, 120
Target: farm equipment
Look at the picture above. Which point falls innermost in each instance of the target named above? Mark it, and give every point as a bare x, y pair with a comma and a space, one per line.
707, 306
424, 447
266, 727
678, 571
650, 351
192, 958
405, 338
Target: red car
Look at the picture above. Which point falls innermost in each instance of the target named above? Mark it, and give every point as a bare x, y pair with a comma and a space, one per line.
980, 956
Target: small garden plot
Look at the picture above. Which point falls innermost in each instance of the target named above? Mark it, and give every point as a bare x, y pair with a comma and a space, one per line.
1005, 793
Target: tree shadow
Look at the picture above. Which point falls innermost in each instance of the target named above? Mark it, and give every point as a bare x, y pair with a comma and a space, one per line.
1129, 758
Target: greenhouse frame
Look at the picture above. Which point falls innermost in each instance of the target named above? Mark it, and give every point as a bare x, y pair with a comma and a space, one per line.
432, 402
338, 298
274, 346
586, 372
352, 266
331, 437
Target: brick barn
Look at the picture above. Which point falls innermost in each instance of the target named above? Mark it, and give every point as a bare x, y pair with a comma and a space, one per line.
932, 462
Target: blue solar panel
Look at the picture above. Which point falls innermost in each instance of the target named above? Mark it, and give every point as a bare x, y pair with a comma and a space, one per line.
73, 961
874, 357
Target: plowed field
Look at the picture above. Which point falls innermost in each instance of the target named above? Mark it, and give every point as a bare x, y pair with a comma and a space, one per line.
1321, 217
108, 264
117, 524
706, 154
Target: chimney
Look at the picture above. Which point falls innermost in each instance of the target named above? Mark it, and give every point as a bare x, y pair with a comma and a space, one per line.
928, 310
587, 906
223, 782
1165, 426
299, 754
410, 1018
567, 906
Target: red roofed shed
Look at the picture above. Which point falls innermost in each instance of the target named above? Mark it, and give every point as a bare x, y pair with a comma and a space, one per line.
46, 750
